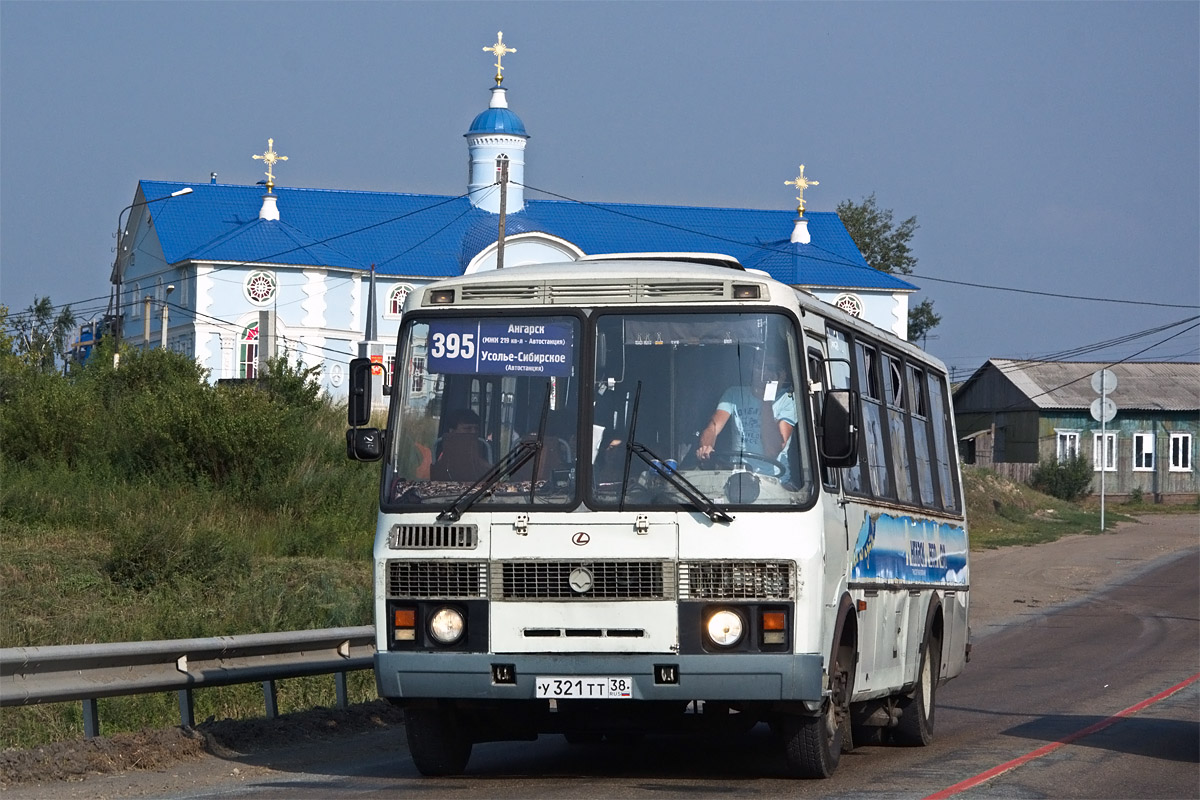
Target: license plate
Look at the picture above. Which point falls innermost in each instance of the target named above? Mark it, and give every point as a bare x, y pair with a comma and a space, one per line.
560, 687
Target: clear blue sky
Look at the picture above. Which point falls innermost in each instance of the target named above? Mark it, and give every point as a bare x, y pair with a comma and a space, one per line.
1049, 147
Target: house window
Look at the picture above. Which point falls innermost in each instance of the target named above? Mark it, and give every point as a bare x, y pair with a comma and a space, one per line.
1068, 445
248, 352
1143, 452
1181, 452
1104, 451
396, 299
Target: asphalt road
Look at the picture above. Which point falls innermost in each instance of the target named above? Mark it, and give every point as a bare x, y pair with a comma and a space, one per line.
1092, 697
1076, 702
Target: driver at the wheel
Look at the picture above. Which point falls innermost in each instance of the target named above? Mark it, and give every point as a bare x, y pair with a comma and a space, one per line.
763, 409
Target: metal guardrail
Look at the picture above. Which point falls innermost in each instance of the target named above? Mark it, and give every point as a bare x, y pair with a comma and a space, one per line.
87, 672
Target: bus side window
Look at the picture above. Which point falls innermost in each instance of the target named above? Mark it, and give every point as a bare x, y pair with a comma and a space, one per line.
920, 431
875, 452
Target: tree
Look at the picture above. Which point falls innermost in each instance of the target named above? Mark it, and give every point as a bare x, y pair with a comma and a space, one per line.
40, 337
885, 246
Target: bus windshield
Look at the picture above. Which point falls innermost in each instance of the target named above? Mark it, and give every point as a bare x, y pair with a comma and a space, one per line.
487, 404
695, 410
707, 397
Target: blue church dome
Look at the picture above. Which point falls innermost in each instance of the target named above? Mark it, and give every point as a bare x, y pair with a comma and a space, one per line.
497, 120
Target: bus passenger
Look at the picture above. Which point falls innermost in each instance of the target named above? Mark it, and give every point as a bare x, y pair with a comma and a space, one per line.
461, 454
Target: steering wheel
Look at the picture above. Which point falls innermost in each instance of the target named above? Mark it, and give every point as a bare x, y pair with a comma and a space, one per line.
725, 459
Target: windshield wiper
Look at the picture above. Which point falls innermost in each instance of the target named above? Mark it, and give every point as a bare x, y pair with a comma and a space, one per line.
512, 461
699, 499
508, 465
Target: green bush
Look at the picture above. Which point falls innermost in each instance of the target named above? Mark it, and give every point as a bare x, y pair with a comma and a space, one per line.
1069, 480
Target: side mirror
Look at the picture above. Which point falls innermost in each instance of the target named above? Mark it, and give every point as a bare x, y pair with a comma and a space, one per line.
841, 420
358, 409
364, 444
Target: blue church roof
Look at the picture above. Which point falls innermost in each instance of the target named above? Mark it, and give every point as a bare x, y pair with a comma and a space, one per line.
497, 120
436, 236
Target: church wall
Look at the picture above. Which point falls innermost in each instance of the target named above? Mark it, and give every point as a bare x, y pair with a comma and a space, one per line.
527, 251
888, 311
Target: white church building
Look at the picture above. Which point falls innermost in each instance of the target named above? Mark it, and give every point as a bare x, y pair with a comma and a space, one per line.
239, 271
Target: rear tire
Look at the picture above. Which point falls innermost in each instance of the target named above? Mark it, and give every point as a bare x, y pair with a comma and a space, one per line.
437, 741
915, 728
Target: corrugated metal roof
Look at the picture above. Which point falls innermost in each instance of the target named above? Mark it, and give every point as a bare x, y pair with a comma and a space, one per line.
1144, 386
435, 236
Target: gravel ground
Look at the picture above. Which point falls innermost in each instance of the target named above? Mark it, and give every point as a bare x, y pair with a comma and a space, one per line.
1008, 585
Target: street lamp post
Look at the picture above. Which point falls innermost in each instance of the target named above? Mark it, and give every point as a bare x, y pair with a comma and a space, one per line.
118, 272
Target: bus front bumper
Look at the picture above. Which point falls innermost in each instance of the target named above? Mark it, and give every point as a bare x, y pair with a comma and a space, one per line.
711, 677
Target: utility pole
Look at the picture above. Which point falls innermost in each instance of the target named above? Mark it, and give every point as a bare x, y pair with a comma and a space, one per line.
163, 337
503, 206
146, 325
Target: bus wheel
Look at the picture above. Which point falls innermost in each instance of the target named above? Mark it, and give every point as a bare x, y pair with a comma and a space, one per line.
812, 745
915, 728
436, 740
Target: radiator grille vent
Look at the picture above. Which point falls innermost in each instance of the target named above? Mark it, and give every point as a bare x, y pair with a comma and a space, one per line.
737, 580
437, 579
697, 289
582, 293
501, 293
432, 537
583, 580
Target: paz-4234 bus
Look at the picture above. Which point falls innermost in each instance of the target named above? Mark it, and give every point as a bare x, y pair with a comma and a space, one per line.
645, 493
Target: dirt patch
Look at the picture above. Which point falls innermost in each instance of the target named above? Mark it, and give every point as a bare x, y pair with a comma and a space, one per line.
157, 749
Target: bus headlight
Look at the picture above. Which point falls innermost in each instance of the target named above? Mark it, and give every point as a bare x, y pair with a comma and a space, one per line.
446, 625
725, 628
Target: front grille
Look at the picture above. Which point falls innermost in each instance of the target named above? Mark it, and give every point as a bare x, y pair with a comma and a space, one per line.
446, 580
607, 580
737, 580
431, 537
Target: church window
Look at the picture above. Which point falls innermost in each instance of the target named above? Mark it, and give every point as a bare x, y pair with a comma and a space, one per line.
852, 304
260, 287
248, 352
396, 299
501, 160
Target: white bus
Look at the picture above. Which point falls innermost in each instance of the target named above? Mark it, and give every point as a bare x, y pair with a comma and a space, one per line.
651, 494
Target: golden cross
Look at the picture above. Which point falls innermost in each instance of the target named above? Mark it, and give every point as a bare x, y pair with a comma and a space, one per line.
801, 183
270, 158
500, 49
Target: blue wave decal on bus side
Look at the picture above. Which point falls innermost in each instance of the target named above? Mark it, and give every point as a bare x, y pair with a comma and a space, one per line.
907, 549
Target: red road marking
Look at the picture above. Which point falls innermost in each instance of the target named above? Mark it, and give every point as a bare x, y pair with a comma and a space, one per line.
987, 775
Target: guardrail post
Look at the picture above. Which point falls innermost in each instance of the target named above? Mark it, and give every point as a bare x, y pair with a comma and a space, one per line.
91, 718
270, 699
187, 709
343, 694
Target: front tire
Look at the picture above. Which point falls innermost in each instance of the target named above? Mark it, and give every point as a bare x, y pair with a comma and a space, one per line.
437, 741
813, 745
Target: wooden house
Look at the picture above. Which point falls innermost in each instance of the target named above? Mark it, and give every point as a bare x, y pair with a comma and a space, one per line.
1024, 412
